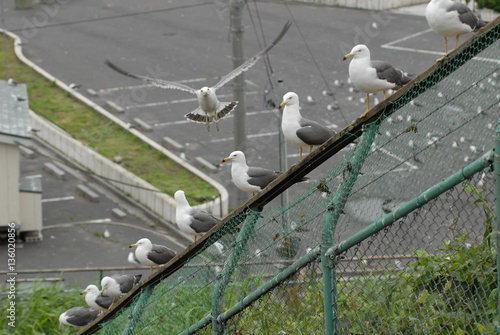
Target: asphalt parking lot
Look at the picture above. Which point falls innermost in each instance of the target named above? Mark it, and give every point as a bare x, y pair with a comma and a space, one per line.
188, 41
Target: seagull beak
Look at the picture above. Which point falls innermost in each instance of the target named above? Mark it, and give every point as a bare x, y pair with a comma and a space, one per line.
282, 105
346, 57
102, 292
132, 246
226, 159
82, 292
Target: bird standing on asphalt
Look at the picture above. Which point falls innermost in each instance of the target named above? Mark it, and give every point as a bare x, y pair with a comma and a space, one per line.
191, 220
210, 108
298, 130
152, 255
372, 76
449, 18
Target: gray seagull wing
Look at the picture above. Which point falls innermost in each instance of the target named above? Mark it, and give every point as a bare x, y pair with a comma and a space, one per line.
386, 71
252, 61
81, 316
313, 133
157, 82
160, 254
201, 221
261, 177
466, 15
104, 301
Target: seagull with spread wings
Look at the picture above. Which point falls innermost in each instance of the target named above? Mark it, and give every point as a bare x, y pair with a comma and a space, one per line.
210, 108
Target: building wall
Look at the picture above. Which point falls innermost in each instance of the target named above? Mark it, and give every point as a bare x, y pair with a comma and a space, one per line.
31, 211
9, 184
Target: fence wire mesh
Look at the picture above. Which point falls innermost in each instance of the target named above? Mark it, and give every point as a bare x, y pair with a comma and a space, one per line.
431, 272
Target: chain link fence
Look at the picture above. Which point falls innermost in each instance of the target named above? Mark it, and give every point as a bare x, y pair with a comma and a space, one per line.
395, 239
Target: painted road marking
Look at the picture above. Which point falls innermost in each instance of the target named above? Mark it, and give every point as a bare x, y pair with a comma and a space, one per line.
58, 199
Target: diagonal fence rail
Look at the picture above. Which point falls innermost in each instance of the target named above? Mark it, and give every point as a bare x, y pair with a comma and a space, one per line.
412, 203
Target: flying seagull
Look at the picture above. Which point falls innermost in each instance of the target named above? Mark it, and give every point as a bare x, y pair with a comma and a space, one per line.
449, 18
210, 108
78, 317
191, 220
298, 130
249, 179
95, 299
152, 255
372, 76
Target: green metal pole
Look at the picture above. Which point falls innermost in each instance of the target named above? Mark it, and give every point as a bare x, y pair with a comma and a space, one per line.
138, 310
496, 167
423, 198
335, 208
224, 277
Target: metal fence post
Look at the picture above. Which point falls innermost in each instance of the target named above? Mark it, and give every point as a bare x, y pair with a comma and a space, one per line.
496, 167
224, 277
335, 208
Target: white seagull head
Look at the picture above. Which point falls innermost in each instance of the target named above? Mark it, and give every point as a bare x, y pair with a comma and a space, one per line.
236, 156
359, 51
142, 243
291, 98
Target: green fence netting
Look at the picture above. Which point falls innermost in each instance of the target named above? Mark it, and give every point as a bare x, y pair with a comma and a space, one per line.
433, 271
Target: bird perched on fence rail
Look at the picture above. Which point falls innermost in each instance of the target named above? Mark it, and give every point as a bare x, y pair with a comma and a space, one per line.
250, 179
191, 220
78, 317
298, 130
372, 76
95, 299
449, 18
210, 108
152, 255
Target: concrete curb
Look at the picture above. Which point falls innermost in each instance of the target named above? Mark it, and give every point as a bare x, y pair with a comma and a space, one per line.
218, 207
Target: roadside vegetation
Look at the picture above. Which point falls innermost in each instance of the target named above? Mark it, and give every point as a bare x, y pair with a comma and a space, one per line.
101, 134
449, 290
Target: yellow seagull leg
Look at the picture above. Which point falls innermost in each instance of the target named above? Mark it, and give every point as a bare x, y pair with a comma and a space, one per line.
445, 50
456, 41
300, 154
367, 105
310, 149
385, 95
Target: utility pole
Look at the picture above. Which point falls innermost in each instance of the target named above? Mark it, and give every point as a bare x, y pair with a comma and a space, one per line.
240, 136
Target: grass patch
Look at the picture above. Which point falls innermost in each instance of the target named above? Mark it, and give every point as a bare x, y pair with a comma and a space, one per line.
102, 135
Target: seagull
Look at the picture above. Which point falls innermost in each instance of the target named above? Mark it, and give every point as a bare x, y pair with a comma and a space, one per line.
74, 86
249, 179
152, 255
298, 130
117, 285
449, 18
11, 82
210, 108
132, 259
190, 220
17, 98
372, 76
95, 299
78, 317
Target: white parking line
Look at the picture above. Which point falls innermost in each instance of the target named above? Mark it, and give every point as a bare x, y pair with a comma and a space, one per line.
399, 159
391, 45
58, 199
34, 176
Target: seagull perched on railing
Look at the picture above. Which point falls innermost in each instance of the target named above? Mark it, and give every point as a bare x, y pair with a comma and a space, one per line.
210, 108
372, 76
449, 18
191, 220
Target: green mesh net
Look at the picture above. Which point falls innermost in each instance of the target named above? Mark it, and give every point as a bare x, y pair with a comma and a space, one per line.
432, 271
